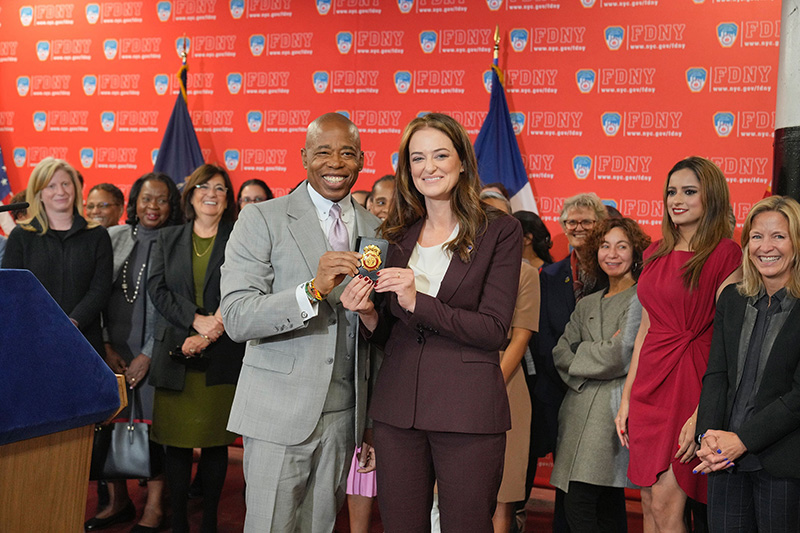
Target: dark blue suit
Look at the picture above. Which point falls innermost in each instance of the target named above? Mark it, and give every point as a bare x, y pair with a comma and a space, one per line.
557, 304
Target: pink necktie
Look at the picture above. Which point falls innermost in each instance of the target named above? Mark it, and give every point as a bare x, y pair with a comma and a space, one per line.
337, 235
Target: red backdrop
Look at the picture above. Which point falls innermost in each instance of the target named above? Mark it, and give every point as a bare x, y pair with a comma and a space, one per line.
607, 95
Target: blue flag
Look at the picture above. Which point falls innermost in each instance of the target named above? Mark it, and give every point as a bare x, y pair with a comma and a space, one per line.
180, 152
496, 148
5, 186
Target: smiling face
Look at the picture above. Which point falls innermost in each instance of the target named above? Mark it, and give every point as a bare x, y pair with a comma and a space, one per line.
434, 164
58, 197
770, 249
382, 198
578, 224
332, 157
152, 205
103, 208
615, 255
684, 200
209, 199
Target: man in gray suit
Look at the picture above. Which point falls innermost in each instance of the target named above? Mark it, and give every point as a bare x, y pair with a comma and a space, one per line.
301, 398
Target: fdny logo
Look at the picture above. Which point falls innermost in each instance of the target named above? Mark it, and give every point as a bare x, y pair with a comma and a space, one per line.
427, 40
89, 84
87, 157
344, 41
517, 122
164, 10
614, 36
395, 157
585, 80
183, 45
320, 78
494, 5
39, 120
107, 119
487, 81
723, 123
405, 6
154, 156
726, 33
254, 120
231, 159
20, 155
257, 44
92, 13
234, 82
587, 3
519, 39
402, 81
23, 85
110, 48
323, 6
26, 15
43, 50
161, 83
344, 113
581, 166
696, 78
422, 114
611, 122
237, 8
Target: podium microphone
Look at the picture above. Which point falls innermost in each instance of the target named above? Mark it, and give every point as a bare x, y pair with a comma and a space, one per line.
14, 207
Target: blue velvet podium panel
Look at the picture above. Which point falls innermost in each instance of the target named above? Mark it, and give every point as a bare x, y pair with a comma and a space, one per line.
51, 379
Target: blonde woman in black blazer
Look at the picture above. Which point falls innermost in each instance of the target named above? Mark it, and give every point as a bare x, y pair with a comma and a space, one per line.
748, 422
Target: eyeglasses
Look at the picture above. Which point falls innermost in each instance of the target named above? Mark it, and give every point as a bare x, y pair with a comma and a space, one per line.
146, 200
218, 189
101, 205
247, 200
573, 224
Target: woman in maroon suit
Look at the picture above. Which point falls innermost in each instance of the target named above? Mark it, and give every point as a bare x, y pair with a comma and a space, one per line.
444, 305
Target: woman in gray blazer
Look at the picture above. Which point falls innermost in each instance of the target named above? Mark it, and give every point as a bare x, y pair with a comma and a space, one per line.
592, 357
748, 422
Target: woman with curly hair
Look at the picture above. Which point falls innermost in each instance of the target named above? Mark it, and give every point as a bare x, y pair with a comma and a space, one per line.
592, 358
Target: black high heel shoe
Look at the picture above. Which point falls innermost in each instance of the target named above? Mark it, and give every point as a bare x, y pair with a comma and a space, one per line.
126, 514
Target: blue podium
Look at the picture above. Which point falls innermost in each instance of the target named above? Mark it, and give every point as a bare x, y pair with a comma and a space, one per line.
54, 388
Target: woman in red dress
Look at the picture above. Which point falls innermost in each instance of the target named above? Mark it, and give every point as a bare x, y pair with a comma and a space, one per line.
683, 275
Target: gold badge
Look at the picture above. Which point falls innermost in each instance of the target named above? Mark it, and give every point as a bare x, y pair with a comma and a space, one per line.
371, 258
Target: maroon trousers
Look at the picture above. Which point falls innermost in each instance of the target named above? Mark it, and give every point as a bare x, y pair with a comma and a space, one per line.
468, 468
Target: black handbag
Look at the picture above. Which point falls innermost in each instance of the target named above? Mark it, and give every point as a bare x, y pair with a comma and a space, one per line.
121, 450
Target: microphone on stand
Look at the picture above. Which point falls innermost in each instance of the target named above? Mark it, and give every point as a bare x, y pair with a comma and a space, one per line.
14, 207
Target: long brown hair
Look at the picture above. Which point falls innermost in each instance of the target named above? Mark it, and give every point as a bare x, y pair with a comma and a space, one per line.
714, 224
409, 203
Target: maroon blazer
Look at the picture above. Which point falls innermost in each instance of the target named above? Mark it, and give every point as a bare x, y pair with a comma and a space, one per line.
441, 370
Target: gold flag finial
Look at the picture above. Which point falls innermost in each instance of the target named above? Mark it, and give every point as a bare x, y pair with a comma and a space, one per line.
496, 42
184, 53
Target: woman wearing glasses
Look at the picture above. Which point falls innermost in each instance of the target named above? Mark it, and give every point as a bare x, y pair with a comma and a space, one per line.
195, 364
105, 204
252, 192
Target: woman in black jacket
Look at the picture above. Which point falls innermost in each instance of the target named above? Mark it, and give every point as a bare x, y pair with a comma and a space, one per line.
195, 364
748, 422
68, 255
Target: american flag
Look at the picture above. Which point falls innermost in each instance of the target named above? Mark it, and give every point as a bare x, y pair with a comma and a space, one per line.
5, 186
